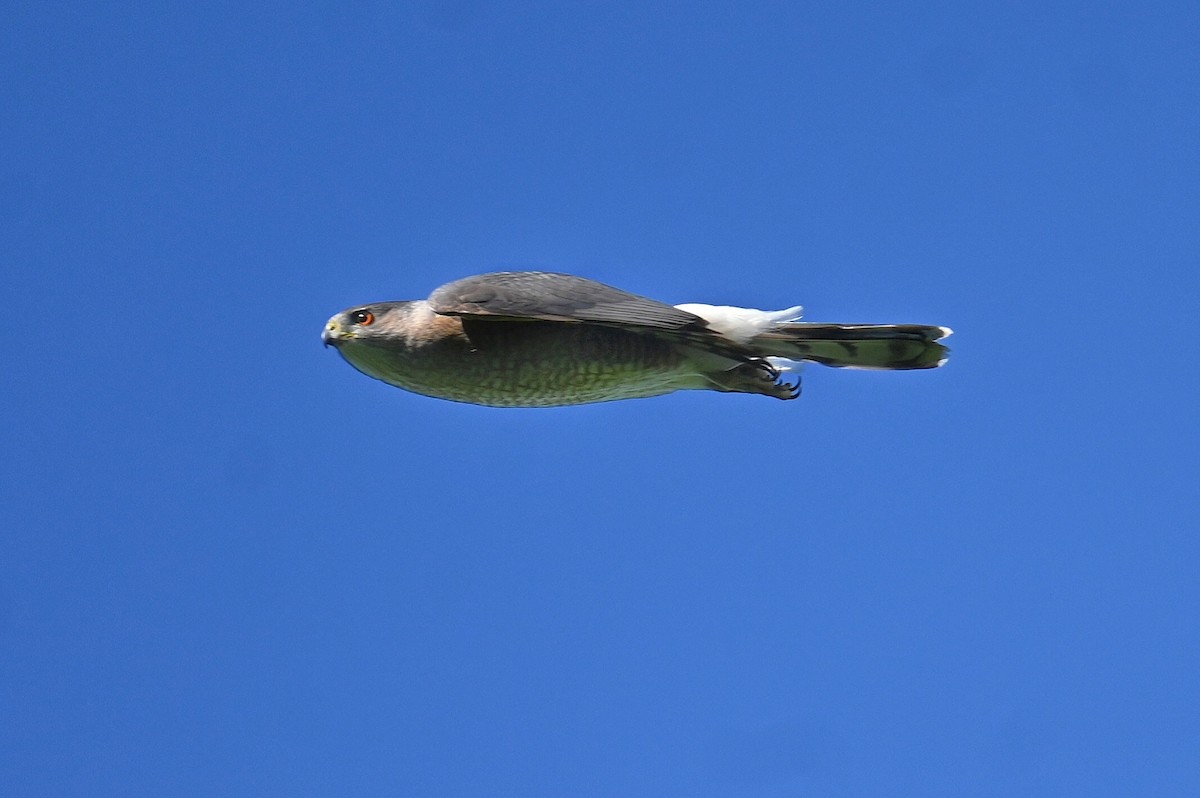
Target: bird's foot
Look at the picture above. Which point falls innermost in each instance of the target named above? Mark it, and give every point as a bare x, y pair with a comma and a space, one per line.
757, 376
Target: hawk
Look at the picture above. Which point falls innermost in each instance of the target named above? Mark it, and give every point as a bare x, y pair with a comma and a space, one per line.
540, 339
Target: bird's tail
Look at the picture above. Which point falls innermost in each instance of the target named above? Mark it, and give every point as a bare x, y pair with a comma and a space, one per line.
862, 346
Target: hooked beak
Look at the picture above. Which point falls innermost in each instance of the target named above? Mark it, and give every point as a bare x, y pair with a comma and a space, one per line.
329, 336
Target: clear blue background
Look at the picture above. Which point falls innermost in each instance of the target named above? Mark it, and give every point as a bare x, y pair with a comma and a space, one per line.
232, 565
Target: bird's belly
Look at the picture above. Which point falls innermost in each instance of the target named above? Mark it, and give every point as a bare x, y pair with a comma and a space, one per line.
534, 364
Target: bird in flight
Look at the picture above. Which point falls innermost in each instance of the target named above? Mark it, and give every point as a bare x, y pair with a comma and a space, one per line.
540, 339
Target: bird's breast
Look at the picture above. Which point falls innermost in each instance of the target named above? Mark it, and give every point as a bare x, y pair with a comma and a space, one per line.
527, 364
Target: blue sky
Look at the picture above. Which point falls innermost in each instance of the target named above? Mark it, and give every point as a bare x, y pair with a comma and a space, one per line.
234, 566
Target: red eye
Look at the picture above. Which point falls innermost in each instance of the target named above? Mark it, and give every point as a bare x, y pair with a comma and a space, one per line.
363, 317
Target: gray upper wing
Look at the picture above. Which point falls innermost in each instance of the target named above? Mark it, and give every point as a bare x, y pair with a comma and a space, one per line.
555, 297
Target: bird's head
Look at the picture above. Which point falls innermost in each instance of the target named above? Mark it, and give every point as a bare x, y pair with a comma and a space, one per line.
379, 323
380, 339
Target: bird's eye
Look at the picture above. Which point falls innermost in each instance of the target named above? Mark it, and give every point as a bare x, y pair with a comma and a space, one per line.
363, 317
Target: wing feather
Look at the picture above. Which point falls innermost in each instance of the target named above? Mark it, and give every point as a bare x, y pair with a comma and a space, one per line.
547, 296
